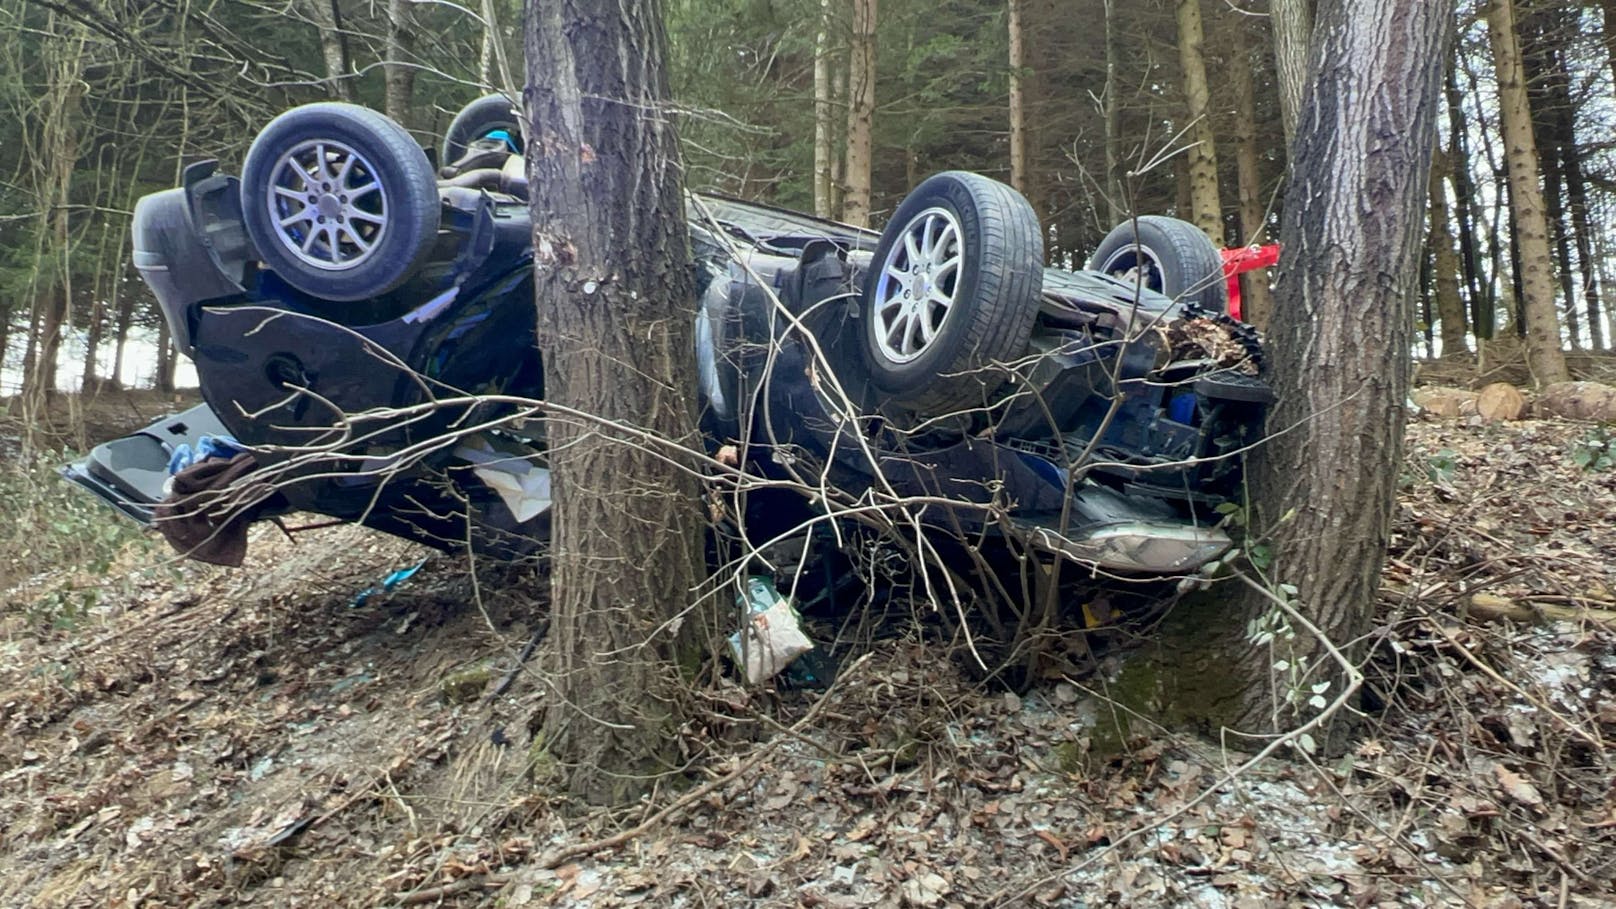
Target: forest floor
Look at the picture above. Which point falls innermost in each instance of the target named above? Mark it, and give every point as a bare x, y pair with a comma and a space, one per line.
178, 735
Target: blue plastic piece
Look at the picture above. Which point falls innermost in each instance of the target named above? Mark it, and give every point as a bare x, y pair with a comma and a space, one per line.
1182, 409
393, 579
206, 447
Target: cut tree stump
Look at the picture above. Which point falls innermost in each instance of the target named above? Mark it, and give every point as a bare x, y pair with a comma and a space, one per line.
1501, 401
1445, 400
1579, 401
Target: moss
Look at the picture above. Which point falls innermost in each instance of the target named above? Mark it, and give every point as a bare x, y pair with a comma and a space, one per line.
1182, 680
467, 684
1069, 757
541, 764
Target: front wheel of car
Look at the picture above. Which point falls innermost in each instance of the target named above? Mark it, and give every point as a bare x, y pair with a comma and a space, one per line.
1171, 257
952, 292
340, 201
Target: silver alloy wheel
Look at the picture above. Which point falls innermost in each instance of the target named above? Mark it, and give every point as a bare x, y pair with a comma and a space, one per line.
328, 204
1135, 264
918, 280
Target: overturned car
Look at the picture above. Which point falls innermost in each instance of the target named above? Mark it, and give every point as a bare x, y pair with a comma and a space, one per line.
363, 327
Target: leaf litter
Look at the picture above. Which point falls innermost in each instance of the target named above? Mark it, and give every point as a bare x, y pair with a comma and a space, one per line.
246, 737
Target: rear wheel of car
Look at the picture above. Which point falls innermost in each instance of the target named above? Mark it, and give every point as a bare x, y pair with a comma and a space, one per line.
340, 201
488, 117
1172, 257
953, 289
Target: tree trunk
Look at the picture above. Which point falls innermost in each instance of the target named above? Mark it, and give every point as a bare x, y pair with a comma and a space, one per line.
124, 310
616, 316
1205, 209
327, 16
1018, 112
1608, 7
1326, 487
823, 127
1545, 98
1445, 263
1479, 286
838, 142
400, 88
164, 380
1543, 354
1292, 22
1116, 202
860, 114
1256, 302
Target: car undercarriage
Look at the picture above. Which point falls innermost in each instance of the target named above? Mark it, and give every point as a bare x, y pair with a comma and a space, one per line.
364, 333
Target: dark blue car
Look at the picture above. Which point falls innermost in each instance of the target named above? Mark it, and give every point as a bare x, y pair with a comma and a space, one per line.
363, 329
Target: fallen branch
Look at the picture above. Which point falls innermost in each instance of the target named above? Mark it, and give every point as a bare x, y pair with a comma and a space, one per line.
1494, 608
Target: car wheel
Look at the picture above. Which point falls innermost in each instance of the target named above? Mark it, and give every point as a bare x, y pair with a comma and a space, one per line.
340, 202
1169, 256
488, 117
954, 287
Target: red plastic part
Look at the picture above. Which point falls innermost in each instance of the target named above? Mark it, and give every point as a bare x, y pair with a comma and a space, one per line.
1240, 260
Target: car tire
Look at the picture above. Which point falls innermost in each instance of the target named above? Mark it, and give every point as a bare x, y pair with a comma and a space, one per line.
953, 288
1172, 257
371, 213
481, 119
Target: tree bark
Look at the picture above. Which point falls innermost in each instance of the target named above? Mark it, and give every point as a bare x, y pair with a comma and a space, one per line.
616, 316
1543, 353
1256, 302
1445, 263
1480, 286
860, 115
1292, 22
1352, 229
1546, 96
823, 127
1018, 112
1116, 202
400, 88
327, 16
1205, 208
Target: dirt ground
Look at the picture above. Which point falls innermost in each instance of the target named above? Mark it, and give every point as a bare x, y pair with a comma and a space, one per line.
210, 737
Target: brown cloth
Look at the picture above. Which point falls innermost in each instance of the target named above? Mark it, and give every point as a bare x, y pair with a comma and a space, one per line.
204, 518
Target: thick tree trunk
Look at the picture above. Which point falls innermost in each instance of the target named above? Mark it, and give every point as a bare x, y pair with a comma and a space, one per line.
1445, 263
327, 18
860, 114
1256, 302
615, 325
1543, 353
823, 126
1205, 208
400, 88
1292, 22
1342, 324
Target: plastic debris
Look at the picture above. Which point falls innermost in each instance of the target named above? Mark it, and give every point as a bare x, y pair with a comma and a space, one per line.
772, 637
392, 580
206, 447
508, 470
